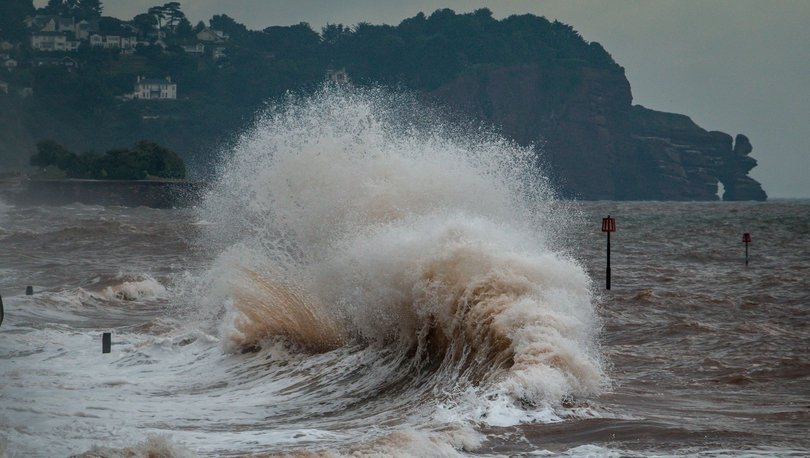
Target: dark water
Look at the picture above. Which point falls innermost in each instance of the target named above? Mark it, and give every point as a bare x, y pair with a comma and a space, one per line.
705, 353
701, 354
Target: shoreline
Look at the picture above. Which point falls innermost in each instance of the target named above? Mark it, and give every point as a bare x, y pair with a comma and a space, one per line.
166, 193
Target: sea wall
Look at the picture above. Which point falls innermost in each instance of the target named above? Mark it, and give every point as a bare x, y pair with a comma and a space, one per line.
125, 193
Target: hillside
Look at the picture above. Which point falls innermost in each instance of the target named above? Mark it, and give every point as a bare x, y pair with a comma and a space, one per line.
537, 81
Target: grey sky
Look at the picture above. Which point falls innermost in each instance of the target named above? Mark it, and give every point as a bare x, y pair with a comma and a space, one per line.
739, 66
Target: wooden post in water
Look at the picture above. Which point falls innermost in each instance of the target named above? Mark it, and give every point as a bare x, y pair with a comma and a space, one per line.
1, 310
608, 226
29, 290
106, 342
746, 241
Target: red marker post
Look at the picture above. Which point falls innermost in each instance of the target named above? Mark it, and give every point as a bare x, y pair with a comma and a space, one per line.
608, 226
746, 241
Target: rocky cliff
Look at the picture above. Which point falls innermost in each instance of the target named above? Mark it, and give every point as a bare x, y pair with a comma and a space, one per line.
595, 143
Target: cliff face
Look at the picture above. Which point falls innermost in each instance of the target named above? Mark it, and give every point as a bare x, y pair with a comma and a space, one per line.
596, 144
675, 159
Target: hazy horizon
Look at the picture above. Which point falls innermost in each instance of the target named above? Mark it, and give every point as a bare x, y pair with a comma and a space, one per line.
735, 66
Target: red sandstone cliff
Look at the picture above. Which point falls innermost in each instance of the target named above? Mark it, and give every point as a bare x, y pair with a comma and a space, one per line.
595, 143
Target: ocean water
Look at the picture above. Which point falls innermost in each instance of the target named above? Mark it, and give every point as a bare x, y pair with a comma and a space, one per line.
363, 278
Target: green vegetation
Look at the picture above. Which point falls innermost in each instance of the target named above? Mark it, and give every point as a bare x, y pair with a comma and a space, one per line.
222, 89
12, 15
79, 9
145, 160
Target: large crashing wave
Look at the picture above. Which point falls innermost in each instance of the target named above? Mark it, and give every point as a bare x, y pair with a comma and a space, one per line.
358, 217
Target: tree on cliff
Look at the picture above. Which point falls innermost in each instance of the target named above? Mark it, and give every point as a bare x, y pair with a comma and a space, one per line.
146, 159
79, 9
12, 15
159, 161
51, 153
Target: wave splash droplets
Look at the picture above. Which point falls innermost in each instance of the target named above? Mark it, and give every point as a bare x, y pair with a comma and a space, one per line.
359, 217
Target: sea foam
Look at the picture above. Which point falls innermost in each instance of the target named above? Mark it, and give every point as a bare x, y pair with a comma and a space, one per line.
360, 216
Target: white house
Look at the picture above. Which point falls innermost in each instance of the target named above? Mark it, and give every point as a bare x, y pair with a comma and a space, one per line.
218, 52
197, 48
155, 89
53, 41
122, 41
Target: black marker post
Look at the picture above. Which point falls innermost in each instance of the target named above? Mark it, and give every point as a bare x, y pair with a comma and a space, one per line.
106, 342
608, 226
746, 241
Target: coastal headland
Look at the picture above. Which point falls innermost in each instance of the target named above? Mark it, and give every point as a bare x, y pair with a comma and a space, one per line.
193, 89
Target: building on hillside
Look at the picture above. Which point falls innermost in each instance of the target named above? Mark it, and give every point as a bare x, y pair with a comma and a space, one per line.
3, 87
54, 41
65, 61
110, 41
10, 64
212, 36
338, 76
85, 28
6, 45
197, 49
50, 23
218, 52
155, 89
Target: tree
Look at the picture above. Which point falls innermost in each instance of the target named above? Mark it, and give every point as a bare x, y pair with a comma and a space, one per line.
146, 159
79, 9
183, 31
227, 24
159, 161
333, 33
51, 153
110, 25
12, 14
173, 14
145, 22
159, 13
168, 15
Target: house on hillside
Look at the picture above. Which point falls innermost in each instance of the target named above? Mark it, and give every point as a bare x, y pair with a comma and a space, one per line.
155, 89
54, 41
338, 76
85, 28
122, 40
50, 23
3, 87
212, 36
66, 61
10, 64
160, 42
218, 52
196, 49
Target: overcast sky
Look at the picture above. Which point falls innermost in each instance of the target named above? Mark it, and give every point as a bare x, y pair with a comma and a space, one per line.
739, 66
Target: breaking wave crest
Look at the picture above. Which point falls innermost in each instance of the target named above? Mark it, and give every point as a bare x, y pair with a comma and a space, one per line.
359, 219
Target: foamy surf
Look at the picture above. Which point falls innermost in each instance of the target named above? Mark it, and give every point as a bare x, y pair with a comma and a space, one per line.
356, 219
